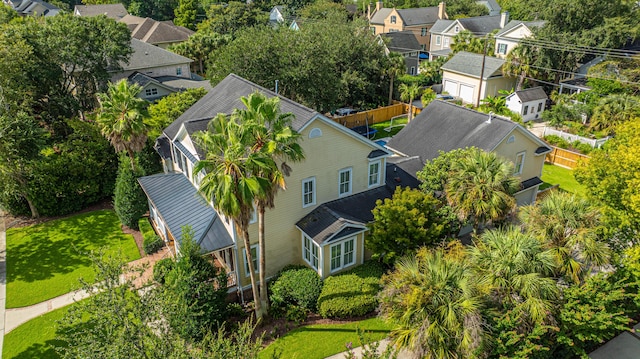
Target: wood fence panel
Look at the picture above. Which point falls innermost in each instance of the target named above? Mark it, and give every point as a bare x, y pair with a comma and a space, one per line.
565, 158
372, 116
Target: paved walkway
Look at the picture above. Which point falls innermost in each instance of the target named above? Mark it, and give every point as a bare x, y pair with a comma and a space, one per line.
538, 128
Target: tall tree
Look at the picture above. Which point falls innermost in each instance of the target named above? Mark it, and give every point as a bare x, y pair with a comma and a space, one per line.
613, 110
200, 46
230, 180
121, 118
409, 93
434, 306
567, 225
395, 69
518, 63
186, 14
481, 187
465, 40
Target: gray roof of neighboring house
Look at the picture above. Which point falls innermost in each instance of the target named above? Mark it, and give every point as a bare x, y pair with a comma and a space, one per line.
401, 171
380, 15
419, 16
440, 26
513, 23
182, 83
146, 56
179, 204
403, 41
155, 32
443, 126
531, 94
26, 7
471, 64
492, 5
481, 25
225, 97
113, 11
623, 346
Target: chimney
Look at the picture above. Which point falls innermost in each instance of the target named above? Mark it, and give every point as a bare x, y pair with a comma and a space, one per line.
379, 5
442, 14
504, 19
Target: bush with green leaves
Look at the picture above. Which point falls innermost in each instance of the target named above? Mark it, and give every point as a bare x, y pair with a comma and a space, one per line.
299, 287
353, 293
152, 244
129, 200
162, 268
145, 228
557, 141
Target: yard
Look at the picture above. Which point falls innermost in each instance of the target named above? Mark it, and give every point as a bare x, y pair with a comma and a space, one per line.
46, 260
553, 175
394, 127
323, 340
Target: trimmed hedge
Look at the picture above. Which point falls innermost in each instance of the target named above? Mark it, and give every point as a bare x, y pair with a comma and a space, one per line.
299, 287
129, 200
153, 244
352, 293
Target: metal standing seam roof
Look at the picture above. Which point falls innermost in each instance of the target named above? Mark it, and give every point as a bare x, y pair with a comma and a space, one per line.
470, 64
179, 204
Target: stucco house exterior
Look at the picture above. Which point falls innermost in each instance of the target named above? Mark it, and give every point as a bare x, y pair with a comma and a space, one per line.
511, 35
319, 220
153, 61
417, 20
529, 103
461, 77
444, 126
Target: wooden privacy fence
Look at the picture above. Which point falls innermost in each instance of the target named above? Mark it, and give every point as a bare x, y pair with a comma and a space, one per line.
372, 116
565, 158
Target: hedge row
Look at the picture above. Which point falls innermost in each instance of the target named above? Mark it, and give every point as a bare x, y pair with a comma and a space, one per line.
152, 242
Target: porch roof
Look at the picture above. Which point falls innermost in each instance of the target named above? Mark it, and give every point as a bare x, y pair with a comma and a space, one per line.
179, 204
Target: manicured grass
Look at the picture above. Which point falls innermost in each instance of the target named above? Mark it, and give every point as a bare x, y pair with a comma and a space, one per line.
397, 126
35, 338
323, 340
564, 177
46, 260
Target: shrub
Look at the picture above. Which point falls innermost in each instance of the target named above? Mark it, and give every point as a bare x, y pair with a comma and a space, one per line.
581, 147
162, 268
351, 294
152, 244
296, 314
129, 201
557, 141
145, 228
298, 287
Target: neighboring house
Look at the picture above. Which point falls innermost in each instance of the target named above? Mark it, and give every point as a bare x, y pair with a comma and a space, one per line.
320, 220
443, 32
461, 77
153, 61
32, 7
296, 23
158, 33
529, 103
154, 88
443, 126
511, 35
623, 346
277, 16
112, 11
406, 44
574, 85
491, 5
418, 20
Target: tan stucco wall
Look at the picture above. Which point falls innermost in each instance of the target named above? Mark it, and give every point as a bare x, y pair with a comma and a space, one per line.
532, 163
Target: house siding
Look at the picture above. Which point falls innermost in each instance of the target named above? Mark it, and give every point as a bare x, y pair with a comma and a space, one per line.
490, 87
522, 143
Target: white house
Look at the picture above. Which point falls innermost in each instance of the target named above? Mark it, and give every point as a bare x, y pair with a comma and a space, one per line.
512, 33
529, 103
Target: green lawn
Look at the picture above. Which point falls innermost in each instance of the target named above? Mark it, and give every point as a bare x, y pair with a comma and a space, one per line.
397, 126
35, 338
46, 260
553, 175
323, 340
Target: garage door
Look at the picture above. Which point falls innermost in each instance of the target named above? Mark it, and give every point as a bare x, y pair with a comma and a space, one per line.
466, 93
450, 87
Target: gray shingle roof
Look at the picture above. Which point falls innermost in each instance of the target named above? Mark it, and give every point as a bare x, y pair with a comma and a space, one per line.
481, 25
513, 23
379, 16
112, 11
403, 41
155, 32
182, 83
444, 126
179, 204
440, 26
531, 94
470, 64
225, 97
419, 16
146, 56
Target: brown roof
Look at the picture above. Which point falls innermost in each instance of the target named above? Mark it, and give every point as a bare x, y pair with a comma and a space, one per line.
155, 32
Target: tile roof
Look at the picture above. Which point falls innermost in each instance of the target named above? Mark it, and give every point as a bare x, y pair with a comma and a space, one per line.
531, 94
112, 11
146, 56
470, 64
402, 41
443, 126
179, 204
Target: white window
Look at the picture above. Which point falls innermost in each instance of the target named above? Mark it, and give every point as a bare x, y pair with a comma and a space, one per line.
374, 173
343, 254
254, 256
344, 179
316, 132
438, 40
151, 92
446, 42
502, 49
423, 31
178, 71
310, 252
540, 107
519, 163
393, 19
423, 47
308, 192
511, 139
526, 110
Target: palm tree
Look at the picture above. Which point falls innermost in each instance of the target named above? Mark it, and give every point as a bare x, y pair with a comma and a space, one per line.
433, 305
566, 225
408, 93
427, 96
432, 69
466, 41
613, 110
481, 186
231, 181
273, 137
121, 118
396, 68
518, 63
514, 267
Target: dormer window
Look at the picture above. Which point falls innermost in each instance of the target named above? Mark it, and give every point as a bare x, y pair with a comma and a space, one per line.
393, 19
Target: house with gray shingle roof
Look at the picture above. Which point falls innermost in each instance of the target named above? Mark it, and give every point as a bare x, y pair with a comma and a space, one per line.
112, 11
444, 126
320, 220
158, 33
529, 103
443, 32
473, 77
154, 88
417, 20
32, 7
511, 35
153, 61
405, 44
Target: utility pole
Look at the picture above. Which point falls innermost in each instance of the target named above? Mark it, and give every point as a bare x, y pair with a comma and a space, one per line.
484, 56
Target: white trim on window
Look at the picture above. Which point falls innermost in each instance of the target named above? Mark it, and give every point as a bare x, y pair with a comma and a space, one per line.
519, 164
310, 252
438, 40
178, 71
393, 19
502, 49
255, 253
308, 192
446, 42
342, 254
373, 178
151, 91
345, 182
